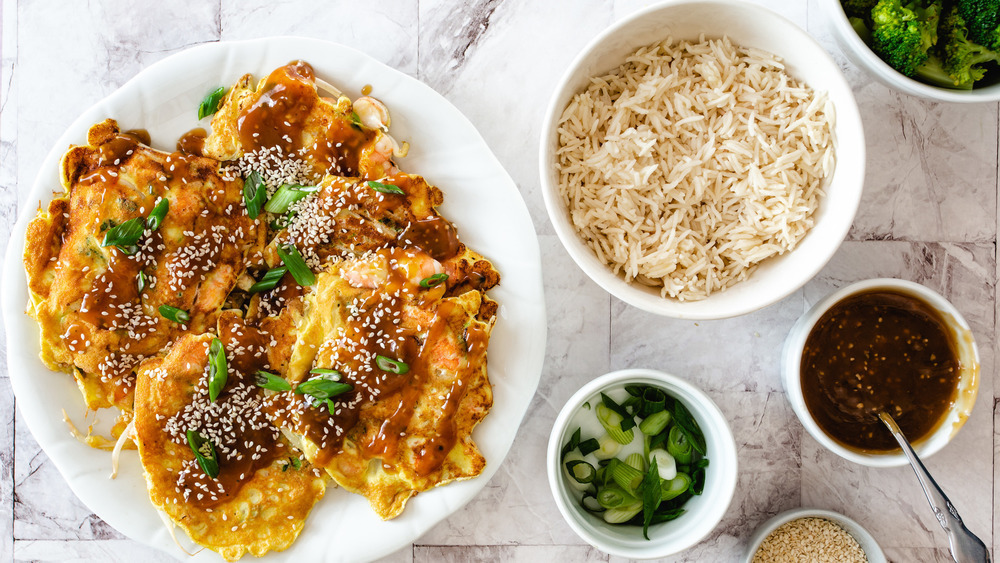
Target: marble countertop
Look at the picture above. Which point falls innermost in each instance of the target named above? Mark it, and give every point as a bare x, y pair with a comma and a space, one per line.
929, 214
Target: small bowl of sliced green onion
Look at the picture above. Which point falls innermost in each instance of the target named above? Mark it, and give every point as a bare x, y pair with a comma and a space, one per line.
641, 463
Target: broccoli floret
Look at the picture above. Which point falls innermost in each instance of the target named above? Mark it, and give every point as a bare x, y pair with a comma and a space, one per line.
861, 28
861, 9
961, 58
932, 72
983, 19
903, 34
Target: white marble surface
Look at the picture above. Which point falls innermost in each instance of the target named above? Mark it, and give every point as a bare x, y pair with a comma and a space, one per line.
929, 214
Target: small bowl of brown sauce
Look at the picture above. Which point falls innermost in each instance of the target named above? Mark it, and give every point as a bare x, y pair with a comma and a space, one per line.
881, 344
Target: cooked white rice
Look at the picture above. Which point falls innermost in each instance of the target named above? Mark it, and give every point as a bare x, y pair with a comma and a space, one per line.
693, 162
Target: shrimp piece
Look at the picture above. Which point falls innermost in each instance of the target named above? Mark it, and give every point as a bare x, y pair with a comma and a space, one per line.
376, 159
367, 273
374, 271
372, 112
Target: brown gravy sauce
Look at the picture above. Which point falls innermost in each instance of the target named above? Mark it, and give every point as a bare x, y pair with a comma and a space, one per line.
192, 142
281, 113
874, 351
257, 443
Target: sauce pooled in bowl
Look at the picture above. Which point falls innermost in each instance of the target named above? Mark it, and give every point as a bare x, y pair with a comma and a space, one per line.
879, 350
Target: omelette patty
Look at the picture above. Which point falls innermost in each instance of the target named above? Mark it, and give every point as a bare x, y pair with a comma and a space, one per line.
416, 362
100, 306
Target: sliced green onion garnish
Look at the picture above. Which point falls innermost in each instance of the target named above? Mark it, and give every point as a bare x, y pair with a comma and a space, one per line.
581, 471
627, 477
612, 423
650, 496
128, 250
271, 382
590, 504
210, 104
431, 281
296, 265
332, 374
622, 513
174, 314
679, 447
608, 447
390, 365
385, 188
157, 214
675, 487
655, 423
698, 477
665, 463
140, 281
295, 462
588, 446
204, 452
637, 461
653, 401
126, 234
634, 390
667, 515
254, 194
687, 423
574, 441
218, 371
320, 388
270, 279
286, 195
627, 420
614, 496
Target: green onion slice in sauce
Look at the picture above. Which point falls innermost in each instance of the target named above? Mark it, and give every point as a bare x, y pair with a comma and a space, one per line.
331, 374
254, 194
390, 365
270, 279
204, 452
124, 235
386, 188
271, 382
431, 281
218, 370
291, 257
174, 314
286, 195
157, 214
211, 103
320, 388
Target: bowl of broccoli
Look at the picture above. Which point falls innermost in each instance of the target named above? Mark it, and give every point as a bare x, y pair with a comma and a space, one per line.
946, 50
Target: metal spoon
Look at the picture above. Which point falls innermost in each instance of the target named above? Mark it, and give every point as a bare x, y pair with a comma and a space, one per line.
965, 546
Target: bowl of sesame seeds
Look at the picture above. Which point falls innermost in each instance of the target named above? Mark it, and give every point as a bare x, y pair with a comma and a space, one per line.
809, 534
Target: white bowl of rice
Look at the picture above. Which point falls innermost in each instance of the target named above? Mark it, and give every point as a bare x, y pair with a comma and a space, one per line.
811, 534
702, 159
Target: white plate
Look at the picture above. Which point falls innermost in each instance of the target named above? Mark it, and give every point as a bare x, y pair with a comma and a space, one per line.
480, 198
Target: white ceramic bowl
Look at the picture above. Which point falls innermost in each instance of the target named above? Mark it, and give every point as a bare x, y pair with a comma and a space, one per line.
864, 539
861, 55
953, 420
703, 512
748, 25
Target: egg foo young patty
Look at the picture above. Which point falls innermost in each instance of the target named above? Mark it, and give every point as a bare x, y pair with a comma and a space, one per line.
263, 492
691, 163
96, 296
287, 308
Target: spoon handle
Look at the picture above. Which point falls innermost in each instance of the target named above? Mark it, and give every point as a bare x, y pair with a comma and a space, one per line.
965, 546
